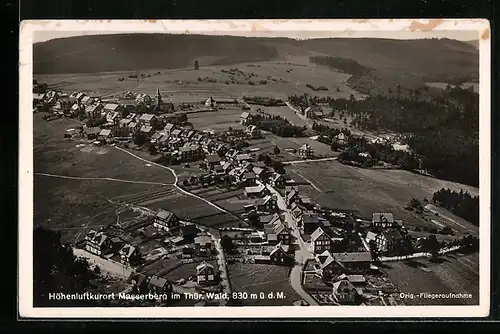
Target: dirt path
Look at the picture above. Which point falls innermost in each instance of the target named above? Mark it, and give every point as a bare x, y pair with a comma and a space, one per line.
114, 268
175, 184
103, 179
309, 160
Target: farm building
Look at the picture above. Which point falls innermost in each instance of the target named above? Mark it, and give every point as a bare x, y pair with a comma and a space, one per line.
306, 151
206, 274
166, 220
278, 255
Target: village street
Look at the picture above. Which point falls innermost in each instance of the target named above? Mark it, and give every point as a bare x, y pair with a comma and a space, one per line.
111, 267
302, 254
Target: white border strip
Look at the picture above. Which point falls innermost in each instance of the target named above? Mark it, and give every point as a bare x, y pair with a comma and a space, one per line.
347, 28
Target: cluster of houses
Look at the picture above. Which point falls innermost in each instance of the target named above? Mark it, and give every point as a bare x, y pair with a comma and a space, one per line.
101, 244
387, 234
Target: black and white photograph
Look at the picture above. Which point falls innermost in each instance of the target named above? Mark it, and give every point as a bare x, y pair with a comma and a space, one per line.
264, 168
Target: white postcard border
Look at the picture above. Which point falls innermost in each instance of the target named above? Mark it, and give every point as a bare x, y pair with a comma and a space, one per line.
25, 238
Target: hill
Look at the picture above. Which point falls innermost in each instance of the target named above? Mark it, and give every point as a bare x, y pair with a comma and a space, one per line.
406, 62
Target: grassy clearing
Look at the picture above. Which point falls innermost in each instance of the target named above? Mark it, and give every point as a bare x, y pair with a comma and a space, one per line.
453, 275
366, 191
257, 278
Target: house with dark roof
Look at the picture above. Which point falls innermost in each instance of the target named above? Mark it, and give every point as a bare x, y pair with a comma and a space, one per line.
344, 292
159, 285
306, 151
277, 232
249, 179
350, 263
97, 243
388, 240
383, 220
310, 222
266, 204
129, 255
166, 220
206, 274
139, 282
277, 180
279, 255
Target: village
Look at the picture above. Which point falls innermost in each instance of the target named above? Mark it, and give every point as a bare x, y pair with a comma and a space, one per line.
333, 257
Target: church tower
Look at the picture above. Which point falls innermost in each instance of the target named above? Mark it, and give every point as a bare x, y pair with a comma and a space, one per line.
158, 96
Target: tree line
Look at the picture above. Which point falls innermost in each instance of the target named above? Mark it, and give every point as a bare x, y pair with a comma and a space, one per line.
459, 203
277, 125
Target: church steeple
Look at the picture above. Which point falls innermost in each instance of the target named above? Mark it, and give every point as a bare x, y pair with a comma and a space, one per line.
158, 95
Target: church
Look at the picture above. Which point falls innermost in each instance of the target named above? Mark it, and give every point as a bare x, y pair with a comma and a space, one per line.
162, 107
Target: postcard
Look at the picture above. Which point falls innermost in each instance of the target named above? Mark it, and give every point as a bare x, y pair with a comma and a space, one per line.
254, 169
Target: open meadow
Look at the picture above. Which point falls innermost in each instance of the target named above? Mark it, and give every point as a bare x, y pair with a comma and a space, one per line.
366, 191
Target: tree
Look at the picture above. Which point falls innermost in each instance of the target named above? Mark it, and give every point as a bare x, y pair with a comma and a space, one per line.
227, 244
139, 138
56, 269
276, 150
185, 183
196, 65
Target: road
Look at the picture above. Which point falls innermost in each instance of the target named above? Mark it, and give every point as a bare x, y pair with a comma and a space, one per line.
111, 267
308, 160
301, 255
308, 121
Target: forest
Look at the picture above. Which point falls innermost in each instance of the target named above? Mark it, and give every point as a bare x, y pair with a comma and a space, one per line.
348, 66
460, 203
277, 125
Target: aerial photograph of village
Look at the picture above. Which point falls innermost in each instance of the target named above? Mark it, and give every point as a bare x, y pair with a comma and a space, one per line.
175, 170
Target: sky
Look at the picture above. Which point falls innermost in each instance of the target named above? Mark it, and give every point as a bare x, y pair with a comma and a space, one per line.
45, 35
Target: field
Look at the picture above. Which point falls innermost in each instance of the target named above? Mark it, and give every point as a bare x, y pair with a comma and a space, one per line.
73, 206
257, 278
454, 273
366, 191
182, 85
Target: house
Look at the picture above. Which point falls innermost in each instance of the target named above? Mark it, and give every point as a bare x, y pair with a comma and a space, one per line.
76, 96
359, 281
97, 243
148, 119
87, 100
206, 274
188, 252
169, 127
341, 138
125, 122
212, 160
291, 195
344, 292
189, 232
94, 109
159, 285
210, 102
252, 131
371, 236
306, 151
155, 138
320, 241
245, 157
176, 133
260, 173
203, 244
249, 179
256, 191
277, 232
128, 95
143, 98
278, 255
297, 213
383, 220
188, 134
365, 155
129, 254
347, 262
38, 98
146, 129
268, 219
112, 107
139, 283
246, 118
310, 223
92, 133
104, 134
166, 220
277, 180
313, 112
388, 240
133, 126
267, 204
306, 202
190, 152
